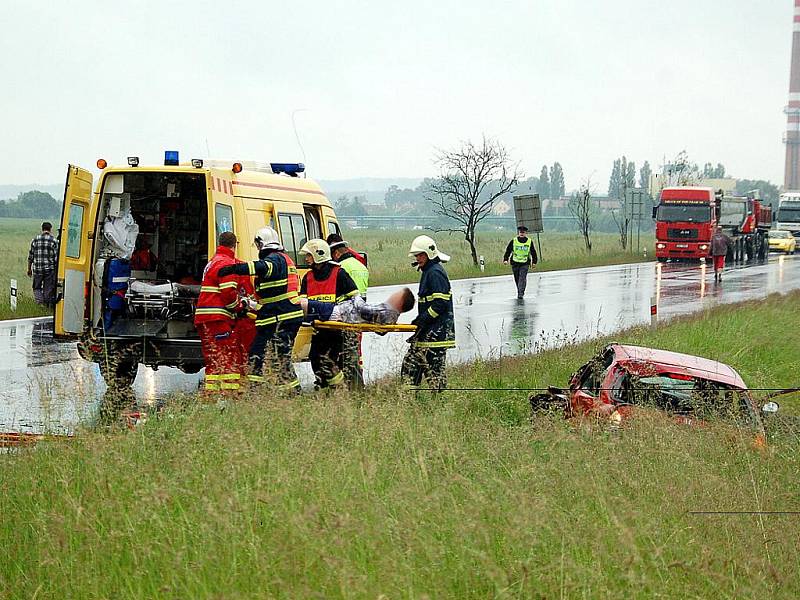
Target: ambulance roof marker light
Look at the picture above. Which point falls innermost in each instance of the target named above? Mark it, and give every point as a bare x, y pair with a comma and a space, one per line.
237, 167
171, 158
197, 163
133, 161
290, 169
101, 163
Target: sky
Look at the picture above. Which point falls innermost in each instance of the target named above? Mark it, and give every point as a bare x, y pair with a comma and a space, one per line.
376, 88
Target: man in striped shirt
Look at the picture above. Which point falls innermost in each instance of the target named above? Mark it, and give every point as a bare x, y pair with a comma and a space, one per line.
42, 259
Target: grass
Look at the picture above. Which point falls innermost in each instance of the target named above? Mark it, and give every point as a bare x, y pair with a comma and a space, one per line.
388, 495
389, 262
15, 239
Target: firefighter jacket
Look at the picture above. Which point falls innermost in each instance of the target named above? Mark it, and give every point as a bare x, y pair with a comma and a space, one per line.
435, 321
276, 287
330, 283
219, 294
357, 270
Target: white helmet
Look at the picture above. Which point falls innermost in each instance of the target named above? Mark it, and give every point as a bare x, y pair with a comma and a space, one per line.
318, 249
267, 239
424, 244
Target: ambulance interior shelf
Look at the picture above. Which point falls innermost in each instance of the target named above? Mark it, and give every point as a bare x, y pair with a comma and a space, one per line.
169, 213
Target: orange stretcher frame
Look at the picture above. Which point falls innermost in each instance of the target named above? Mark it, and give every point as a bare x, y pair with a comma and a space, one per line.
365, 327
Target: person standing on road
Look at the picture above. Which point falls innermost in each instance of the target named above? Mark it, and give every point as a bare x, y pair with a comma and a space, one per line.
328, 282
42, 259
279, 315
215, 317
720, 243
435, 322
522, 254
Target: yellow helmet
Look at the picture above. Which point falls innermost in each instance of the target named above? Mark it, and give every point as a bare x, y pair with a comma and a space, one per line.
319, 250
424, 244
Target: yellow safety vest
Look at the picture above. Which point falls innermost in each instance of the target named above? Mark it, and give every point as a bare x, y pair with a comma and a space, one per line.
358, 272
522, 251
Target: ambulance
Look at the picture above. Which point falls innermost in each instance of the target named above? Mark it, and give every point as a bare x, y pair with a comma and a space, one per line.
125, 310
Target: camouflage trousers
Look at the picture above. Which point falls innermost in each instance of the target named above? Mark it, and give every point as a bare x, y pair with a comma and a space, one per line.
427, 363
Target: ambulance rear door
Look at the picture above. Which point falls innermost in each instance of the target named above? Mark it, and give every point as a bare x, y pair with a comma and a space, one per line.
74, 253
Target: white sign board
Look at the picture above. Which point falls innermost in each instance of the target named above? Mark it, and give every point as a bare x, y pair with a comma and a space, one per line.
14, 295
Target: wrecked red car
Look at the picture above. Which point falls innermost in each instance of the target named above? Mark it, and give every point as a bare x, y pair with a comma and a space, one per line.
623, 378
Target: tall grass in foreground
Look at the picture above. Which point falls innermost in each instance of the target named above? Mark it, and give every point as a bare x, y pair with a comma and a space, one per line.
15, 239
458, 496
389, 262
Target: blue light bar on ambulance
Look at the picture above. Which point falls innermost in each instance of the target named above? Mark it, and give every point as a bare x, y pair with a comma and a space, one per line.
291, 169
171, 158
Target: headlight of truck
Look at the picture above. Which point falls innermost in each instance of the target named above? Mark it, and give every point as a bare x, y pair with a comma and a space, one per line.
661, 246
703, 247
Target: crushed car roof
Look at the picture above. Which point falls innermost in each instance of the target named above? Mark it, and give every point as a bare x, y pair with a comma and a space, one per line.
693, 366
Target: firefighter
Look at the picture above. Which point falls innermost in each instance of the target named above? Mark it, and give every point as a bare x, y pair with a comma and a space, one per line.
435, 322
328, 282
215, 316
522, 254
279, 314
356, 266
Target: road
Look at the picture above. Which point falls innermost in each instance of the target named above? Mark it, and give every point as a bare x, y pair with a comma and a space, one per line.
45, 386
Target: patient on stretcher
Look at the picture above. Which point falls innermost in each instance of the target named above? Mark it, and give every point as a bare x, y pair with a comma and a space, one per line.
356, 310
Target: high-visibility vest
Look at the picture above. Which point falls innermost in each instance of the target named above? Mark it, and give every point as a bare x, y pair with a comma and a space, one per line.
358, 272
325, 290
219, 296
278, 297
521, 250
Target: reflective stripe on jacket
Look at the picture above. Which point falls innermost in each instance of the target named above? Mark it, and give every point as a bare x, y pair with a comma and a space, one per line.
435, 321
328, 283
219, 296
277, 288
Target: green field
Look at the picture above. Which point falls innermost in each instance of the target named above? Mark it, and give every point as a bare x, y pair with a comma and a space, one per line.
15, 239
389, 262
385, 495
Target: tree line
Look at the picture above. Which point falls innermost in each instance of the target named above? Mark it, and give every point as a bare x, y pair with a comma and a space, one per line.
31, 205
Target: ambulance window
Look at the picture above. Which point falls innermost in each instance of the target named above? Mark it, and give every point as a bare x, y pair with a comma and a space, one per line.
333, 227
223, 217
74, 230
312, 218
293, 233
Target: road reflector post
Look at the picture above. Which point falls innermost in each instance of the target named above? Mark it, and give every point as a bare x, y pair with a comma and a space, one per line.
481, 263
653, 312
13, 299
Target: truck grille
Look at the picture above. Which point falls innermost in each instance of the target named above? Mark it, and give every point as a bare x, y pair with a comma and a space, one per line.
682, 234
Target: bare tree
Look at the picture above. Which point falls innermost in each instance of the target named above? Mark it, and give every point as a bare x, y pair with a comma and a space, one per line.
622, 221
580, 205
472, 178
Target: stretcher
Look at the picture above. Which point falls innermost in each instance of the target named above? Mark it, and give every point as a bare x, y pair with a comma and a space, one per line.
365, 327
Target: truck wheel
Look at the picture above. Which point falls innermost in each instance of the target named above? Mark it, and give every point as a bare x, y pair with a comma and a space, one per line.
661, 259
118, 367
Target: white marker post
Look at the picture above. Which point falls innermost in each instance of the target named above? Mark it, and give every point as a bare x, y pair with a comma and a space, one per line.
653, 312
13, 299
481, 263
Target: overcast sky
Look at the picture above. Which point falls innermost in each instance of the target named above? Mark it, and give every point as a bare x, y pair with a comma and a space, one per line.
384, 84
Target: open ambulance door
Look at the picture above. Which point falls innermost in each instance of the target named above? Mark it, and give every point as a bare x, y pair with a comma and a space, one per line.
74, 253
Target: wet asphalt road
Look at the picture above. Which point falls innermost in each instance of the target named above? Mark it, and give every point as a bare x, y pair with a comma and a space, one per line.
46, 386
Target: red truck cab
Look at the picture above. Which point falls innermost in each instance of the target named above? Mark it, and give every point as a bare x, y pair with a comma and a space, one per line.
685, 221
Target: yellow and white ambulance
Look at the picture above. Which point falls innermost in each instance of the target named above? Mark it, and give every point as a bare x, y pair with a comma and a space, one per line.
126, 311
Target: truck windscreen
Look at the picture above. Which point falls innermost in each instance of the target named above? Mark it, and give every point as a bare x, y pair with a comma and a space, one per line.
690, 213
789, 215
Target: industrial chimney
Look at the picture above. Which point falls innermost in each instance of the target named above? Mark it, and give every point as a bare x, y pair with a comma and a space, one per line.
791, 179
